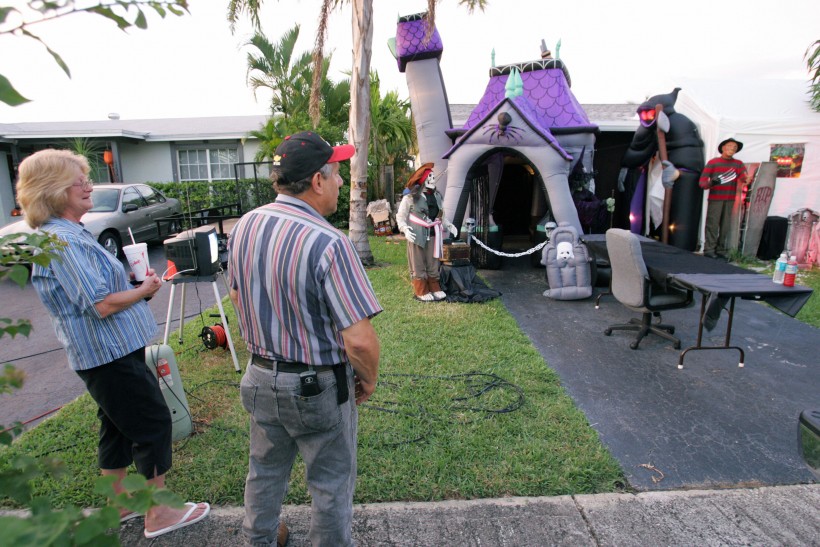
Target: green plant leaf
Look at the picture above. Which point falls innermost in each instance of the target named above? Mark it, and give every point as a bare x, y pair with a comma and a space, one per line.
89, 529
4, 12
140, 21
163, 496
105, 486
54, 54
107, 13
19, 274
9, 95
140, 500
16, 530
134, 482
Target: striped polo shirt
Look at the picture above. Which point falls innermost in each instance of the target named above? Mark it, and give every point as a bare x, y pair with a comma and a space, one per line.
720, 166
299, 282
81, 275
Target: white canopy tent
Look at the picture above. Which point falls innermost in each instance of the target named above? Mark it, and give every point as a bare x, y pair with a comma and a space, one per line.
759, 113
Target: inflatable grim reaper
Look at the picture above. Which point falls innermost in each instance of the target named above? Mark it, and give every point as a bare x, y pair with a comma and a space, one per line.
674, 138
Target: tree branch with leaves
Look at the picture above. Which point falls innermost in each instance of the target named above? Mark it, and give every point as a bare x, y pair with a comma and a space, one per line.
813, 63
124, 13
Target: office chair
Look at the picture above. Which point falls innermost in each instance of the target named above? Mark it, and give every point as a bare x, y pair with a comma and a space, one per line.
633, 288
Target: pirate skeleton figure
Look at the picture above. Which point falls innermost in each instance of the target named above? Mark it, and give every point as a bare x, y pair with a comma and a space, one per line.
421, 219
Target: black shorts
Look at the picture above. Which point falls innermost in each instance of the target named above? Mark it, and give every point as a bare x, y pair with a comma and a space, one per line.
135, 423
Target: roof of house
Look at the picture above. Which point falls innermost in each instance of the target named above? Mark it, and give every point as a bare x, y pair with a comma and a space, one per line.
546, 88
524, 109
167, 129
612, 117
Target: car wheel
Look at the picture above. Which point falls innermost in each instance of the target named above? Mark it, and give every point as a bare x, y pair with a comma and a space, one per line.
111, 242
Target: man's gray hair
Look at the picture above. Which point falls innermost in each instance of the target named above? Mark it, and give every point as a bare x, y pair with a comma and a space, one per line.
296, 188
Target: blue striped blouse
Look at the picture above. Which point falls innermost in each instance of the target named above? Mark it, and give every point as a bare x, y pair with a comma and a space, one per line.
82, 275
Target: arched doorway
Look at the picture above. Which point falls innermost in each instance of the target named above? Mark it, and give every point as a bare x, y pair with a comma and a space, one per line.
507, 201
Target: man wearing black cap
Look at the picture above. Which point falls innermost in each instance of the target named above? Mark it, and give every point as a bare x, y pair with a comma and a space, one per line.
304, 305
721, 177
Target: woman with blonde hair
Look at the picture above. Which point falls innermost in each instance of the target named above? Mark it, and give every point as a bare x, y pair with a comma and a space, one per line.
104, 325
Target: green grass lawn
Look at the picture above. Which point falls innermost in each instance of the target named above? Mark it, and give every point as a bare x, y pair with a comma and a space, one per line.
810, 313
466, 408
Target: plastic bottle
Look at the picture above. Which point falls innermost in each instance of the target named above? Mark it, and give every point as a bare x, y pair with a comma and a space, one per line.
780, 268
791, 272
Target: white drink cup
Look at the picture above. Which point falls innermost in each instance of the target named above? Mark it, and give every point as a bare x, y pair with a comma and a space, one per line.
137, 255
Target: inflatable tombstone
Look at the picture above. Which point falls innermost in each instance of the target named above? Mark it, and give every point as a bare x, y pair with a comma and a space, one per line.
567, 262
685, 150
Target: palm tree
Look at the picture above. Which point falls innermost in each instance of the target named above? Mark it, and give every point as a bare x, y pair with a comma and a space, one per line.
91, 150
359, 128
290, 85
813, 63
391, 131
270, 136
275, 67
335, 100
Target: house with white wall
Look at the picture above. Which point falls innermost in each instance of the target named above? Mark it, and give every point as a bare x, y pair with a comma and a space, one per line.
182, 149
161, 150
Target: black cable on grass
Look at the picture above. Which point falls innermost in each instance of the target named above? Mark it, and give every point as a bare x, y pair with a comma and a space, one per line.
497, 383
222, 382
478, 384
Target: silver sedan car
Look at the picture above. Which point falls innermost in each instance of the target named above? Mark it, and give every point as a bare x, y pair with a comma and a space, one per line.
118, 207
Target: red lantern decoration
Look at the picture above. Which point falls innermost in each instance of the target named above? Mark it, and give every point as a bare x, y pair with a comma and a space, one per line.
108, 157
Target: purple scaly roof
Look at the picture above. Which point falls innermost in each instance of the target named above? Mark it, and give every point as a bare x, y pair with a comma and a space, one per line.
410, 44
524, 108
546, 89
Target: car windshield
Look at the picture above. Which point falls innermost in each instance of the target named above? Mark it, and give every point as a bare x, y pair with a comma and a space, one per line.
104, 199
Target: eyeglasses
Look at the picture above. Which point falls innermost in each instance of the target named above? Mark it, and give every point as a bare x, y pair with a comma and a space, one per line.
84, 184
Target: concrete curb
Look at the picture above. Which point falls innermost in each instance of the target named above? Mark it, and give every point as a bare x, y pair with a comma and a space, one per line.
773, 515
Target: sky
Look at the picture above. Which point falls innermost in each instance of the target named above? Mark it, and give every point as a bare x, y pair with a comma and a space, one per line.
192, 66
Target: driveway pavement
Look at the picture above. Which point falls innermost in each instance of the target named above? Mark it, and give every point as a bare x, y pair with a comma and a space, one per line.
50, 383
710, 425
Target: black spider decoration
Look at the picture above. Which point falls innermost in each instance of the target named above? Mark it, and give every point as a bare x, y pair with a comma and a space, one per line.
503, 129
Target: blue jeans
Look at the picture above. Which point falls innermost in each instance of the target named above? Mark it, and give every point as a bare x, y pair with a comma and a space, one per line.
322, 431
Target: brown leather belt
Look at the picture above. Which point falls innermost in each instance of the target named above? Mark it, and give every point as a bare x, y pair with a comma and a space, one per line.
287, 366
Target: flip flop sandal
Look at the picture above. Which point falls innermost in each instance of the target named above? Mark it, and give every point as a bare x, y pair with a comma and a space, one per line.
183, 522
130, 516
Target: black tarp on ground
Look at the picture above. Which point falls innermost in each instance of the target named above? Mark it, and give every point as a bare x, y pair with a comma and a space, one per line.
711, 424
462, 285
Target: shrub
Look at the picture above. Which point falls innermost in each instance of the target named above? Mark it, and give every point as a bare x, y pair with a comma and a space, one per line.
250, 193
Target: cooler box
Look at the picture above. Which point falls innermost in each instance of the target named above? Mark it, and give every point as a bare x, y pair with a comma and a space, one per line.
160, 360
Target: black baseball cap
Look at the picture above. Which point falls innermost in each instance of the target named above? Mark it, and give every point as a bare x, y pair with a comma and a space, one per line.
302, 154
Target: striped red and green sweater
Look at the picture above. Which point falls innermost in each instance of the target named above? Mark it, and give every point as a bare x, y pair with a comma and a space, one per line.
716, 167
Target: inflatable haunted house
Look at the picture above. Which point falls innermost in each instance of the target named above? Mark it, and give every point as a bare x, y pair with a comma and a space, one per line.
525, 148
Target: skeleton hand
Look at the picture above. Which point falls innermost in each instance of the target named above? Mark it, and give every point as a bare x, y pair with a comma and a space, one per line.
454, 231
409, 235
727, 177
